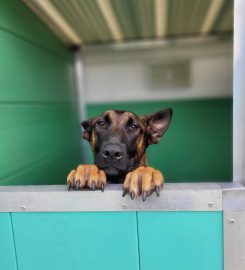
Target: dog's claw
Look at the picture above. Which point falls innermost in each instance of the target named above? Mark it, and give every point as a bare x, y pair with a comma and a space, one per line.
68, 185
158, 189
86, 176
132, 194
77, 184
124, 192
144, 195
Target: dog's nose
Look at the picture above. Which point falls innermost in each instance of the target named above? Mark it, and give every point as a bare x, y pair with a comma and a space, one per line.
112, 152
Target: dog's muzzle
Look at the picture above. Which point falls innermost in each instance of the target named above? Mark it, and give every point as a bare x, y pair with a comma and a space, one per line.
112, 152
112, 158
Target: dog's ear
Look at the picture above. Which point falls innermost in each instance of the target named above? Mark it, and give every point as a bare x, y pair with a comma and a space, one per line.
87, 125
157, 124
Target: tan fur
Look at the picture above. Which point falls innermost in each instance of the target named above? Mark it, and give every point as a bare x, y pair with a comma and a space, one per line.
93, 140
141, 150
117, 121
70, 177
143, 179
86, 176
143, 160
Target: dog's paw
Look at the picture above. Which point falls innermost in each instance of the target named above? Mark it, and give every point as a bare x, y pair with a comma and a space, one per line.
143, 181
86, 176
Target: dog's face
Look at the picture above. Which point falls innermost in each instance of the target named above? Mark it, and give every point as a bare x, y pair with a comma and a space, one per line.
119, 138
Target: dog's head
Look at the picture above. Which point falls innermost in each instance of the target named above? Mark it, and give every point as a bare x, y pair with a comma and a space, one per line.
119, 138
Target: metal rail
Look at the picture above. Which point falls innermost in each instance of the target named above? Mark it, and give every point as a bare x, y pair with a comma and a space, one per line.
174, 197
239, 93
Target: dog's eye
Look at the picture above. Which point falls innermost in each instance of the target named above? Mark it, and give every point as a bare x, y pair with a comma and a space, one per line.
133, 127
102, 124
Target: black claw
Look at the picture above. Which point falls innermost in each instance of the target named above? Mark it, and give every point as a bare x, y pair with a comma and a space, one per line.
158, 189
102, 187
132, 194
77, 184
93, 185
69, 185
124, 192
144, 195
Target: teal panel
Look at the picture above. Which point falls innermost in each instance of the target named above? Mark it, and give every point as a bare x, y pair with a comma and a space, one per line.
73, 241
29, 73
40, 131
18, 19
33, 135
51, 169
181, 240
7, 250
197, 146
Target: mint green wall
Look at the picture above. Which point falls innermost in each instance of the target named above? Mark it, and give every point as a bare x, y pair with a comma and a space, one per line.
198, 145
111, 240
40, 134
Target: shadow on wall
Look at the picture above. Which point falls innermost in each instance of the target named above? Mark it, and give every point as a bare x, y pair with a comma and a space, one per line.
198, 144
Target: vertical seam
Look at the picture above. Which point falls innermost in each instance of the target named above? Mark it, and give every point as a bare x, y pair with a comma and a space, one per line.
15, 250
138, 239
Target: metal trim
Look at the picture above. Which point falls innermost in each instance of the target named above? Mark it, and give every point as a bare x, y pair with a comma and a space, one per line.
239, 93
234, 240
156, 44
174, 197
47, 12
78, 69
234, 199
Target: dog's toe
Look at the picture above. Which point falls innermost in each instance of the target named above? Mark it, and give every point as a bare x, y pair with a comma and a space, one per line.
70, 179
143, 181
86, 176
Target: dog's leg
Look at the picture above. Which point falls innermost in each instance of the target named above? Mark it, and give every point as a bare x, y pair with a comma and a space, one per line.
143, 181
86, 176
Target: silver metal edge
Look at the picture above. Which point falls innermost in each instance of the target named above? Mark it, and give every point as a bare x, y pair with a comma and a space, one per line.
168, 42
239, 92
78, 70
234, 199
174, 197
234, 240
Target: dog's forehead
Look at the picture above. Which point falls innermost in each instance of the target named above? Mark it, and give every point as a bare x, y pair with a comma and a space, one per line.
119, 115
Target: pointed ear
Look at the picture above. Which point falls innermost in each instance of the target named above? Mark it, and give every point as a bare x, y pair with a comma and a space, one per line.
157, 124
87, 125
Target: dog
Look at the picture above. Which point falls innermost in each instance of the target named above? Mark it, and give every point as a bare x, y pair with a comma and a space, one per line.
119, 140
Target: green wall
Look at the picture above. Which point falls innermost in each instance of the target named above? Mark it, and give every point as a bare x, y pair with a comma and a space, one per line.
39, 130
112, 240
198, 145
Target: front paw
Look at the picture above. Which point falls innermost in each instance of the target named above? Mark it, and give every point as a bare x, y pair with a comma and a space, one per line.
86, 176
143, 181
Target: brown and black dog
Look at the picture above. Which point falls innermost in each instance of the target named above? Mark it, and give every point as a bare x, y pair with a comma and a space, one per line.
119, 140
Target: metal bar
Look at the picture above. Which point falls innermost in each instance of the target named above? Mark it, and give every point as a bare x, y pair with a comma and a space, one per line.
234, 224
52, 17
161, 17
174, 197
80, 96
212, 14
234, 240
151, 44
239, 93
110, 18
234, 199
